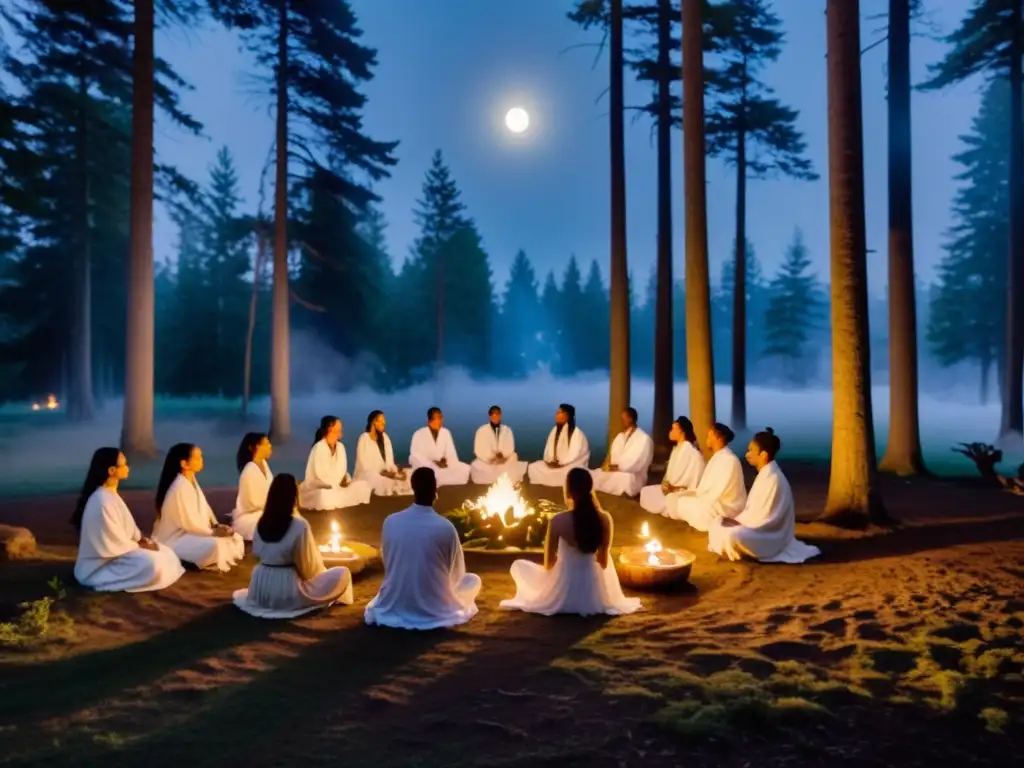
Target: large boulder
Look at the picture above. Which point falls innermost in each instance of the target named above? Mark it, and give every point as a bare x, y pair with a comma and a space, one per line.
16, 543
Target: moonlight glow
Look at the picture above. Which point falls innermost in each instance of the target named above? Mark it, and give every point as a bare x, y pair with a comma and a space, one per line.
517, 120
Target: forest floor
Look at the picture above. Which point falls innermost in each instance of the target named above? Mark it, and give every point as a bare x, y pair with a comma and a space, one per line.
902, 647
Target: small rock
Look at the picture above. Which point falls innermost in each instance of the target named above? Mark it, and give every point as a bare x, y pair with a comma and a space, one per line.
16, 543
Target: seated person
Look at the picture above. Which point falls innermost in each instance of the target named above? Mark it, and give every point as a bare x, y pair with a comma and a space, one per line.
184, 520
291, 578
685, 467
327, 484
375, 460
495, 449
764, 529
113, 556
625, 470
425, 581
254, 478
578, 575
720, 492
432, 446
567, 447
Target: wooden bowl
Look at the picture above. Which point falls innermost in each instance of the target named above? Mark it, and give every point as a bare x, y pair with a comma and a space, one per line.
634, 571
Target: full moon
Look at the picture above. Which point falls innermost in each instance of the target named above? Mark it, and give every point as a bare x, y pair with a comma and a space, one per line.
517, 120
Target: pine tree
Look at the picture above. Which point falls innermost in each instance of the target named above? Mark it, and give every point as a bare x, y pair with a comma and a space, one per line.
520, 321
793, 310
756, 299
576, 328
596, 310
553, 334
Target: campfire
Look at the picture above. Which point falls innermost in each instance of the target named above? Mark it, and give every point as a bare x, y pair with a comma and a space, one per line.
502, 519
502, 502
51, 404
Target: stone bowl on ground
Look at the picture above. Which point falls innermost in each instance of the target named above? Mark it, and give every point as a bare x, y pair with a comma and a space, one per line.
636, 570
362, 556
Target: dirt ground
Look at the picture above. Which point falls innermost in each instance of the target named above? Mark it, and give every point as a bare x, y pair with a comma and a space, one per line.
896, 648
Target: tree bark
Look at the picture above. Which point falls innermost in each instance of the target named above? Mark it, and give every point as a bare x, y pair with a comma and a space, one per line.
257, 281
280, 375
663, 340
903, 449
81, 405
699, 358
739, 292
853, 495
137, 428
619, 271
1013, 403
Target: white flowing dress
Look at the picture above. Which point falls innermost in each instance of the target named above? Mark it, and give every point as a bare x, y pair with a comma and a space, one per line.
109, 556
253, 484
577, 584
720, 493
574, 452
291, 578
186, 525
321, 489
766, 524
426, 449
685, 467
484, 470
632, 454
370, 461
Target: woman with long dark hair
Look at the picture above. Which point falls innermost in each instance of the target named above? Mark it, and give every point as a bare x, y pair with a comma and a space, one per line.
720, 493
567, 447
685, 467
291, 578
254, 480
375, 460
184, 520
113, 555
327, 484
578, 575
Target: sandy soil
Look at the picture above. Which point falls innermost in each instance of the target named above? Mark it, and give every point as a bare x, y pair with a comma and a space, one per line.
897, 648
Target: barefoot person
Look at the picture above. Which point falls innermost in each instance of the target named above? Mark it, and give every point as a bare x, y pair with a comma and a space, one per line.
184, 520
291, 578
567, 447
685, 467
425, 581
495, 450
375, 460
578, 575
432, 446
720, 493
254, 478
327, 484
625, 470
764, 529
113, 556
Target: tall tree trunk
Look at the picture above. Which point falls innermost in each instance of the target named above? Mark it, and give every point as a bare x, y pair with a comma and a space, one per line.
853, 494
739, 292
619, 272
903, 450
1013, 402
663, 341
257, 281
699, 358
280, 376
80, 403
985, 366
137, 428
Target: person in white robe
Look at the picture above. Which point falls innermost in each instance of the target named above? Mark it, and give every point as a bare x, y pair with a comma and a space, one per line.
425, 581
375, 460
495, 450
254, 479
432, 446
578, 575
113, 555
720, 492
327, 484
625, 470
684, 470
291, 578
764, 530
566, 447
184, 519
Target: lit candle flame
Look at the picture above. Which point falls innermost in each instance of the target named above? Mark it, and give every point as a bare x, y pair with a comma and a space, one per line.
334, 541
645, 531
653, 547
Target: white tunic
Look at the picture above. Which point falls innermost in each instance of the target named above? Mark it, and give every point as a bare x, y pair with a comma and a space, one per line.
425, 450
425, 581
685, 467
291, 578
370, 464
766, 524
186, 525
253, 483
570, 453
321, 488
109, 556
720, 493
632, 453
483, 470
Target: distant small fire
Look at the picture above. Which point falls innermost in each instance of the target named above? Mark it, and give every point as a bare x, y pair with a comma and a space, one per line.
51, 404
